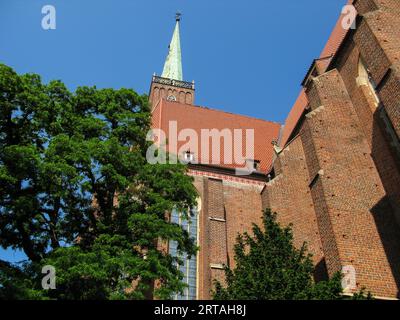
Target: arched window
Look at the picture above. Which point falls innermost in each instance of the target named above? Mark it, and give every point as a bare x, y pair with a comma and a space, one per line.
189, 266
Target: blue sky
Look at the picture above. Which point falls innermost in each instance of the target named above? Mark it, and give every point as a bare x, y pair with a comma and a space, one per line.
247, 57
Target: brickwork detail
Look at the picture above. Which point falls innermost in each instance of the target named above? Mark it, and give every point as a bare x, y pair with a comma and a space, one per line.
228, 208
351, 165
330, 177
289, 195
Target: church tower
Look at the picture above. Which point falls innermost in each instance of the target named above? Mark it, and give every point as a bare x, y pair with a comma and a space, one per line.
170, 85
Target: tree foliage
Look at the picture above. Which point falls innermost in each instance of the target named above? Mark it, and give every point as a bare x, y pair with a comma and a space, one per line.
76, 192
269, 267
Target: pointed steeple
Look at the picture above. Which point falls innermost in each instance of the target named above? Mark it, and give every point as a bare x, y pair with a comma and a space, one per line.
173, 63
171, 86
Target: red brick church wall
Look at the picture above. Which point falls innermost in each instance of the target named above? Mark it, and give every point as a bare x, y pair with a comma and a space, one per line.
228, 207
341, 173
289, 194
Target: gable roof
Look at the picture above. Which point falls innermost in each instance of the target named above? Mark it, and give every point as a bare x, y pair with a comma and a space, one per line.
293, 117
198, 118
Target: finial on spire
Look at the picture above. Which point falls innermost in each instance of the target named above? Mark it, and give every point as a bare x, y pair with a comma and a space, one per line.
178, 16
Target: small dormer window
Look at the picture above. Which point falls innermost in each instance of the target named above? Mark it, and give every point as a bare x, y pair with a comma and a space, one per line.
253, 164
188, 157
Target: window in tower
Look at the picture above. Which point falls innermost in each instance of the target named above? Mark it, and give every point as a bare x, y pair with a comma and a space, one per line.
189, 266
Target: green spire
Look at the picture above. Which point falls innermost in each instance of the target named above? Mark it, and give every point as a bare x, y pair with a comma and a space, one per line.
173, 63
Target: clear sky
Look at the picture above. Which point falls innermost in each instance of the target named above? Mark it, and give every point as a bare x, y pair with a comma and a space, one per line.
247, 57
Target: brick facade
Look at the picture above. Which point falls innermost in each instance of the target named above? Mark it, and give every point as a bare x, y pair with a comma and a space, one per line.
228, 207
343, 162
289, 194
336, 177
160, 91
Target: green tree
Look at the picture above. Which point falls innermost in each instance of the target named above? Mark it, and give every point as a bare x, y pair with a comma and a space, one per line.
269, 267
76, 192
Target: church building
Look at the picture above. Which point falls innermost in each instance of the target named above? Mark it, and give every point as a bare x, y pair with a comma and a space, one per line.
332, 170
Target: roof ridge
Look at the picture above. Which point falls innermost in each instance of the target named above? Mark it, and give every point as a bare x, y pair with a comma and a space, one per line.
228, 112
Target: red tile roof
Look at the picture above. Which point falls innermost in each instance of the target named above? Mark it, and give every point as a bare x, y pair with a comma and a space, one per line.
198, 118
293, 117
335, 40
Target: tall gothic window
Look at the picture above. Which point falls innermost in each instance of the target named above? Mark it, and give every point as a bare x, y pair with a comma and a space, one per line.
189, 266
